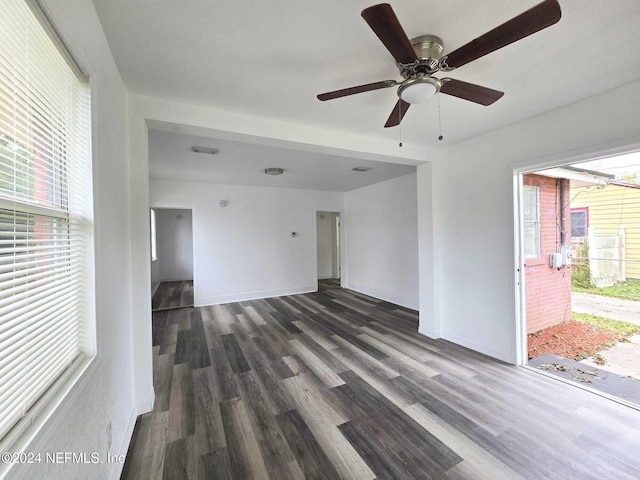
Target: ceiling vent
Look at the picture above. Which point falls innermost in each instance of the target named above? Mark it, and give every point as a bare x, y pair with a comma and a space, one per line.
207, 150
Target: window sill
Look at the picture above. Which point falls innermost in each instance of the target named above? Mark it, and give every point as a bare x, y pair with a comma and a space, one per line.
32, 432
535, 262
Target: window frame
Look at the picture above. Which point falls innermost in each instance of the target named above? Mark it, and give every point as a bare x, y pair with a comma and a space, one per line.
584, 210
40, 420
535, 223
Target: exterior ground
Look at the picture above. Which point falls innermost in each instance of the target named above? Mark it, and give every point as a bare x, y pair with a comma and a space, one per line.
573, 339
622, 359
613, 308
626, 291
606, 334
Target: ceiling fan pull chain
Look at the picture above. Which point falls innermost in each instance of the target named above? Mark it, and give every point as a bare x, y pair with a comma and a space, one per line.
440, 137
400, 123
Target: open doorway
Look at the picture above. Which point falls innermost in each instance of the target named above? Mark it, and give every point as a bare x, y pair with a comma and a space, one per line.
172, 258
579, 235
328, 246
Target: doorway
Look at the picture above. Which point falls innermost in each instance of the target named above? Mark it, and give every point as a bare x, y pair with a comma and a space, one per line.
580, 294
172, 258
328, 245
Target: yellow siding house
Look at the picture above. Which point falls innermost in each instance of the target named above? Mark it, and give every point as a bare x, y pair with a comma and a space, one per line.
611, 210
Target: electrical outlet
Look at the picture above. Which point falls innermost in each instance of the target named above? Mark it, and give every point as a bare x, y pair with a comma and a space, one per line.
109, 436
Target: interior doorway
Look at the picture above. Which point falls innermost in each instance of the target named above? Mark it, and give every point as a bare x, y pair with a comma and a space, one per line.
172, 258
328, 245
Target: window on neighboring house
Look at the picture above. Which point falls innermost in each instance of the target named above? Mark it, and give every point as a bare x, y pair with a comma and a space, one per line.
531, 218
579, 222
46, 268
154, 239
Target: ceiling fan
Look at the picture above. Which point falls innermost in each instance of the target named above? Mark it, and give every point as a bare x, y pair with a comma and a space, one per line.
420, 58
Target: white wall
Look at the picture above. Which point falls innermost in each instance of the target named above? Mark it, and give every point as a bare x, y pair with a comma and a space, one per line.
245, 250
108, 396
156, 274
473, 213
381, 235
427, 272
326, 234
175, 244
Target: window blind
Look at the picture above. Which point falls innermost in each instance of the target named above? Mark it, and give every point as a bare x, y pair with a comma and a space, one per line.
45, 214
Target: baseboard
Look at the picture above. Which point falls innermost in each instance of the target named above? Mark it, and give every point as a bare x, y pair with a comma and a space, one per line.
387, 297
126, 442
478, 347
146, 405
428, 333
244, 296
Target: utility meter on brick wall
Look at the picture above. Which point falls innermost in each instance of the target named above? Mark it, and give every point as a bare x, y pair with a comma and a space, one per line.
555, 260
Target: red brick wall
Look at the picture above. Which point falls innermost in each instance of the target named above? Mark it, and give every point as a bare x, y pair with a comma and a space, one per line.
548, 290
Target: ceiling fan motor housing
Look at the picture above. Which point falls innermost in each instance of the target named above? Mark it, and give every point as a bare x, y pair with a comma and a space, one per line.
428, 49
418, 85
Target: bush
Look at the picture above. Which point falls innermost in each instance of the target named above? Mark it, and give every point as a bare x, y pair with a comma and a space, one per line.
581, 275
580, 271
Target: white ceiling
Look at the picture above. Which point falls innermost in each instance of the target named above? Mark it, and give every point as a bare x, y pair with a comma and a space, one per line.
241, 163
270, 59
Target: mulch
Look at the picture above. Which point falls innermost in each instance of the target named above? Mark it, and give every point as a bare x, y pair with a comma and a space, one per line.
574, 340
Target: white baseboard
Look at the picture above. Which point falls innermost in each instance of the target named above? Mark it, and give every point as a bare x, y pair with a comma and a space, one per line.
478, 347
126, 442
387, 297
244, 296
146, 405
428, 333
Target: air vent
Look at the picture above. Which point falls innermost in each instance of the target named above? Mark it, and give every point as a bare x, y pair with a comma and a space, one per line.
361, 169
207, 150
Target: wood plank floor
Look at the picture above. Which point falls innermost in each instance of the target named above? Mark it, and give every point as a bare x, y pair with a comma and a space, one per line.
171, 295
338, 385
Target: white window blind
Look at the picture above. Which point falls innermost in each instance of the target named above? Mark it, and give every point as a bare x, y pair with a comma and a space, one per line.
45, 214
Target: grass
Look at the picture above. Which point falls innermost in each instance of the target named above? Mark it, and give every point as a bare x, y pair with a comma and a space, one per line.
623, 329
626, 291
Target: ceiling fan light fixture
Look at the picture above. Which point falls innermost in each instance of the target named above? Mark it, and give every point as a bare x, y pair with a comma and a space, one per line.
419, 90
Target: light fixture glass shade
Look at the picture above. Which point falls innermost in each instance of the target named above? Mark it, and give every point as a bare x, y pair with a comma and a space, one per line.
418, 90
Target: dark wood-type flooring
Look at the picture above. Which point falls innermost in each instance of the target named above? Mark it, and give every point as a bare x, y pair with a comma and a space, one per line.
338, 385
171, 295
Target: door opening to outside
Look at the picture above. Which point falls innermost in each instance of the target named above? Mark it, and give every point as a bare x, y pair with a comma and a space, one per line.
580, 252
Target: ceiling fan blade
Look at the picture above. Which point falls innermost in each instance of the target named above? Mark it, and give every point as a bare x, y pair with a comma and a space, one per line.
386, 26
539, 17
398, 114
469, 91
359, 89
